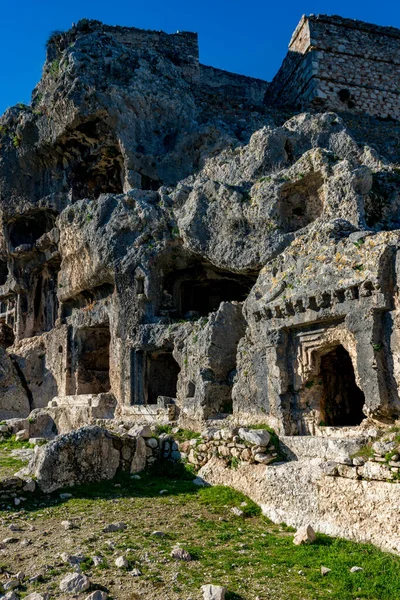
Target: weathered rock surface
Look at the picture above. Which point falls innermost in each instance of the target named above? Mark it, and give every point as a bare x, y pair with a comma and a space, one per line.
299, 493
213, 592
14, 401
173, 250
74, 583
75, 458
155, 211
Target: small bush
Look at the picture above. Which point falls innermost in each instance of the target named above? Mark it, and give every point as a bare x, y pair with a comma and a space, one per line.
54, 37
54, 68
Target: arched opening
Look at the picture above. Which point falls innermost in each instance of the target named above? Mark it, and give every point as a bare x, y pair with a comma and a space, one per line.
162, 376
27, 229
342, 400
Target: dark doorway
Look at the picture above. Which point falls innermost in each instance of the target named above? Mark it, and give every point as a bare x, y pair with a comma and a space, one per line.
93, 360
342, 400
201, 289
162, 376
205, 296
3, 272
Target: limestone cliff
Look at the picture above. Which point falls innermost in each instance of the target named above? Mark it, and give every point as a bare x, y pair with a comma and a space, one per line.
170, 239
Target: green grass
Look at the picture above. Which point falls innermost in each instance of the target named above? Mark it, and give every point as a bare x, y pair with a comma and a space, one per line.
12, 444
220, 497
249, 555
182, 435
365, 452
10, 464
54, 68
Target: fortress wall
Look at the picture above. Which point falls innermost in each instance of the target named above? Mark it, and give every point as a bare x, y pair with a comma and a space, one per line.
250, 89
340, 64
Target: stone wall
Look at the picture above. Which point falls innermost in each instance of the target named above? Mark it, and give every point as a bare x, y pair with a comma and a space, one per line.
226, 84
328, 483
340, 64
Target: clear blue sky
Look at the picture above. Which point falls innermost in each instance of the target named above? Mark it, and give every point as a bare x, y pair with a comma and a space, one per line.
244, 36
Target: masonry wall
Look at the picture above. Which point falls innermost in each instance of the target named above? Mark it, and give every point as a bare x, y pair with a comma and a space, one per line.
231, 85
340, 64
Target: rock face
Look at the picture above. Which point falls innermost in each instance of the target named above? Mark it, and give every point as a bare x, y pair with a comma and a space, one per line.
172, 248
14, 400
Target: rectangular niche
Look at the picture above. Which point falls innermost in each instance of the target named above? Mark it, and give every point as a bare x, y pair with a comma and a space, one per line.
92, 360
153, 374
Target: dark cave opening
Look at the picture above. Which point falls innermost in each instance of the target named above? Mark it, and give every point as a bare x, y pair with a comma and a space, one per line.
27, 229
99, 172
162, 376
149, 183
93, 360
3, 272
199, 290
92, 161
342, 400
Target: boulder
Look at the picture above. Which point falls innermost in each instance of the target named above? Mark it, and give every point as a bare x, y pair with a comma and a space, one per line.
304, 535
97, 595
263, 459
82, 456
121, 562
152, 443
112, 527
143, 431
258, 437
74, 583
179, 553
41, 424
213, 592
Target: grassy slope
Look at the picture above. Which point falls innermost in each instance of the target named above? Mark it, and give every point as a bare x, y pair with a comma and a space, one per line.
249, 555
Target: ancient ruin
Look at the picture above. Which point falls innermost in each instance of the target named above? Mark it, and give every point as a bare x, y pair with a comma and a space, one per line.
182, 245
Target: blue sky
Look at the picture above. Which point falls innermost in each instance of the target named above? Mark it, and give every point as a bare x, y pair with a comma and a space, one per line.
244, 36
